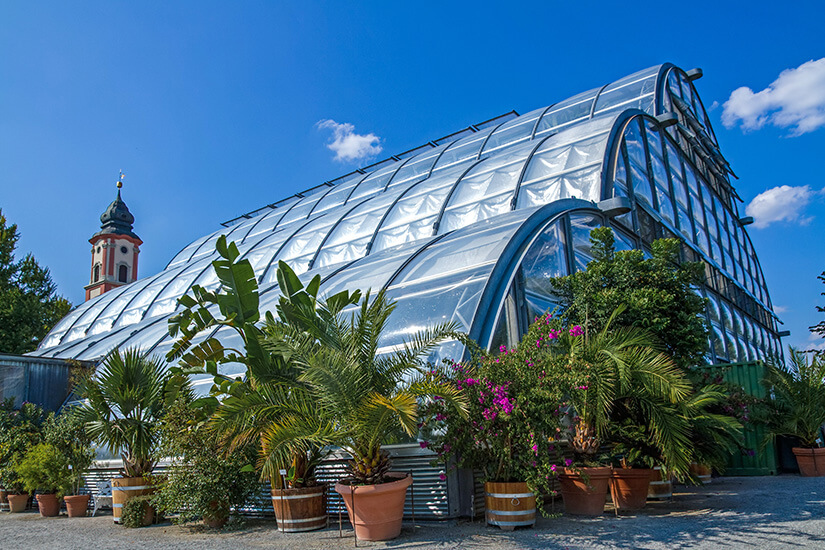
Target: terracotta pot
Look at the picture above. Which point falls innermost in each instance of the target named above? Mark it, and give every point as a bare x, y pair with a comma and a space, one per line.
509, 505
125, 488
217, 516
584, 490
629, 486
376, 511
49, 505
77, 505
701, 471
17, 503
659, 486
811, 461
300, 509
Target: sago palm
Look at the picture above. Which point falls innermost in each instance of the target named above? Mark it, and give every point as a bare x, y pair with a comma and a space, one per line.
124, 400
798, 408
622, 373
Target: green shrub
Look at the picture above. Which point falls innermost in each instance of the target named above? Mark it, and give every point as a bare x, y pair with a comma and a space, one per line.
20, 430
134, 511
44, 468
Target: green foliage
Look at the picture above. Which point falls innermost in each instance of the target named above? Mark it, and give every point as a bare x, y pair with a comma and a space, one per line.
624, 384
270, 394
124, 404
201, 482
44, 468
798, 408
515, 411
136, 511
656, 294
365, 397
67, 432
20, 430
29, 305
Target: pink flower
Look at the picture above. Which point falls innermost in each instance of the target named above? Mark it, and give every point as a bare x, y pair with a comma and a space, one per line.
553, 468
442, 477
423, 444
535, 448
568, 462
576, 331
447, 448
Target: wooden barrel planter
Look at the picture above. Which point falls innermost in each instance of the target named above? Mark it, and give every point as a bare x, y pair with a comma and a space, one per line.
584, 490
125, 488
298, 510
509, 505
701, 472
811, 461
629, 487
660, 488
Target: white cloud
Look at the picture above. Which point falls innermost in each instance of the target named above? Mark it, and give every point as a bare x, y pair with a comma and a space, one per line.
783, 203
779, 310
795, 100
349, 146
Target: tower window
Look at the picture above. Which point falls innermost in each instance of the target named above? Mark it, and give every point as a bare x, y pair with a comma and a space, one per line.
122, 273
96, 273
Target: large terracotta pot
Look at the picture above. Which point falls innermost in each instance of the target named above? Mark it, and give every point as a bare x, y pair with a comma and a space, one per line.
77, 505
17, 503
125, 488
701, 471
509, 505
811, 461
629, 486
584, 490
49, 505
660, 487
300, 509
376, 511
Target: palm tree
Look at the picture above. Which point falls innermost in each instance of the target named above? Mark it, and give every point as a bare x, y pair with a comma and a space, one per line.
798, 408
124, 400
624, 377
367, 395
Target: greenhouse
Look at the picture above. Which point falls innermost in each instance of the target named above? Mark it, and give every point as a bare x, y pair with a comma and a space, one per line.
467, 228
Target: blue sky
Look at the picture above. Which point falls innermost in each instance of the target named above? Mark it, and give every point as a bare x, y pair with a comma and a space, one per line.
212, 108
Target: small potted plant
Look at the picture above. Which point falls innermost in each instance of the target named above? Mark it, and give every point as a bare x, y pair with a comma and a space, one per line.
67, 432
46, 470
798, 408
20, 430
124, 402
512, 426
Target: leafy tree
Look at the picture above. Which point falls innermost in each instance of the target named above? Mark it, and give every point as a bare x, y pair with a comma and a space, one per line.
657, 295
20, 430
29, 305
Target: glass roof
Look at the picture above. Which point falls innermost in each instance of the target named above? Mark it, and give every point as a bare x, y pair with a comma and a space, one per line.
439, 215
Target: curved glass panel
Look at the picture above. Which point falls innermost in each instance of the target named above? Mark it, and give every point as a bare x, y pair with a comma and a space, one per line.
636, 91
572, 110
338, 194
486, 190
513, 132
417, 168
546, 258
464, 149
374, 183
299, 250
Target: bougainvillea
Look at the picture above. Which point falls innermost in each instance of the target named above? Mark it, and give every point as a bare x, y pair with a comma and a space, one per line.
517, 410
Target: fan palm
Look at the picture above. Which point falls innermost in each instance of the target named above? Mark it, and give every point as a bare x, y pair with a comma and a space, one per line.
124, 400
367, 395
622, 374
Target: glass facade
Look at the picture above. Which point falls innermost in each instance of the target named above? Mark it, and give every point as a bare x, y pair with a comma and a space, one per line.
467, 228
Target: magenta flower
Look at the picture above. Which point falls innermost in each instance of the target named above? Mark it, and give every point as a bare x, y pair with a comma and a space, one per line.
423, 444
568, 462
576, 331
553, 468
442, 477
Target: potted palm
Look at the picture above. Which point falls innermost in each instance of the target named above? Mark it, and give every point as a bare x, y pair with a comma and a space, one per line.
619, 371
123, 404
512, 426
798, 408
371, 397
270, 405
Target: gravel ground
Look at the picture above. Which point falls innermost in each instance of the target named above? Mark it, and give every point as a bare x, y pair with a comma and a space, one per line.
729, 513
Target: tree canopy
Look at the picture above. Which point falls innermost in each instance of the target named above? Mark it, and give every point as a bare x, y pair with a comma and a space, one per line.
29, 303
657, 295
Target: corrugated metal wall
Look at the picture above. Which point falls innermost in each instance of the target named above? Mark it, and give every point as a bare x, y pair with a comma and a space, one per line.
428, 496
38, 380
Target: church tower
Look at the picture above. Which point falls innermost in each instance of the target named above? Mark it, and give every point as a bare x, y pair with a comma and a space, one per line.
115, 249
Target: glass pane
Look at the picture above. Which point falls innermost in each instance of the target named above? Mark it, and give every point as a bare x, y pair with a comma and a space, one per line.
513, 132
546, 258
580, 228
464, 149
565, 113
